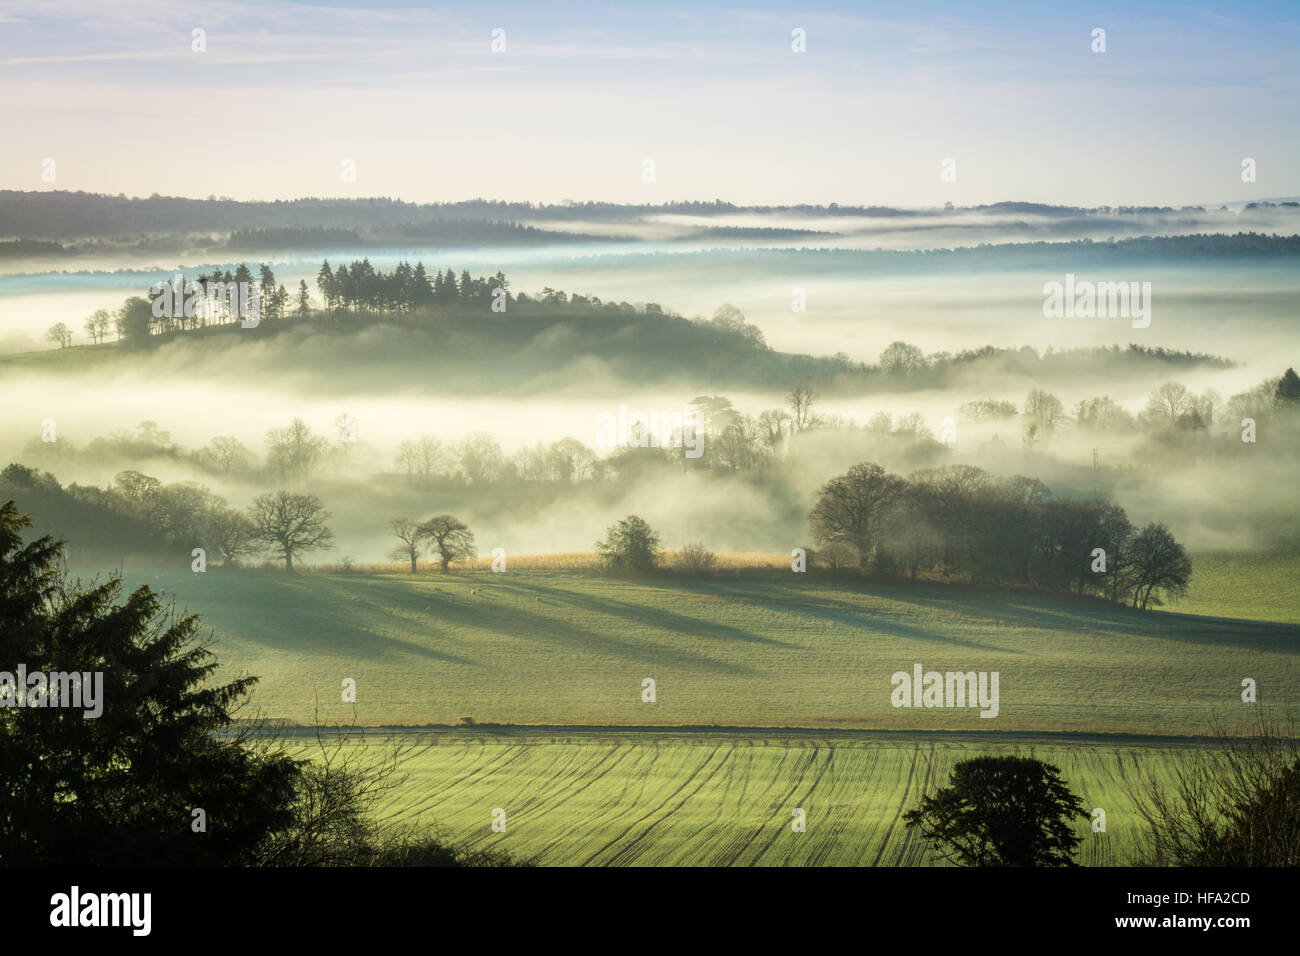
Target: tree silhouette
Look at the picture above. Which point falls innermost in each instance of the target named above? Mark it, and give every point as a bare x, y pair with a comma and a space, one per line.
451, 538
291, 523
1001, 811
59, 333
1156, 562
630, 545
1288, 389
851, 509
120, 788
410, 536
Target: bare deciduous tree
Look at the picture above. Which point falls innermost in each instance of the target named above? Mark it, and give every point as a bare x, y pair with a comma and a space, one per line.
230, 533
291, 523
451, 538
801, 399
294, 451
1233, 803
851, 508
60, 334
423, 456
411, 534
228, 454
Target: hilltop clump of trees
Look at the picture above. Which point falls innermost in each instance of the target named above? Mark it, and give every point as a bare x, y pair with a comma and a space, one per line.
454, 320
352, 296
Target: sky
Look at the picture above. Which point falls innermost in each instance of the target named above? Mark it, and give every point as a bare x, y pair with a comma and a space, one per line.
654, 102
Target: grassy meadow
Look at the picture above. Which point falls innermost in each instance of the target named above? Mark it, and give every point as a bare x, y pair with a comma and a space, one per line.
1254, 587
571, 648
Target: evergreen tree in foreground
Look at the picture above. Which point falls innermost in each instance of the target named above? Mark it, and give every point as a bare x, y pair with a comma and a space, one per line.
121, 788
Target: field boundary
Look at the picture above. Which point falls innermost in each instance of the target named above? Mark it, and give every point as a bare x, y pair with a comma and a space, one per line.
490, 731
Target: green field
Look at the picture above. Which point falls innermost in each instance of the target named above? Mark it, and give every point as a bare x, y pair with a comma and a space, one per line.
1257, 587
726, 799
568, 648
603, 778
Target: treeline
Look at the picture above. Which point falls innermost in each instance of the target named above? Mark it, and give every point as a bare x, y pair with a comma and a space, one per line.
469, 231
962, 521
956, 521
80, 512
901, 361
351, 293
177, 517
361, 288
1122, 257
294, 453
62, 214
292, 237
355, 295
458, 231
728, 440
27, 248
1173, 415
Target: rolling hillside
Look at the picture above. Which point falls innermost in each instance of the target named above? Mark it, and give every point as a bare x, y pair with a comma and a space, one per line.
568, 648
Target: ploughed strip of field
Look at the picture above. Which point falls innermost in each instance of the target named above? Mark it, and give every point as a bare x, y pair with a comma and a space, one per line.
728, 799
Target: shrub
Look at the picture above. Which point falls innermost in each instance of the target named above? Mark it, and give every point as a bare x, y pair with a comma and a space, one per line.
630, 545
696, 559
1236, 803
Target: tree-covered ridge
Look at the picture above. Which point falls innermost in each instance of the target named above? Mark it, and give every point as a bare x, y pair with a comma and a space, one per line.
292, 237
458, 231
460, 330
356, 295
57, 214
31, 248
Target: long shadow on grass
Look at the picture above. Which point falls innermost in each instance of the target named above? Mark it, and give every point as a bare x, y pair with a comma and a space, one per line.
668, 620
314, 621
484, 614
1049, 612
1053, 612
838, 611
654, 617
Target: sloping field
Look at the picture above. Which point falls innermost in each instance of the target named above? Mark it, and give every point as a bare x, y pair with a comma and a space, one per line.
1260, 587
568, 648
726, 799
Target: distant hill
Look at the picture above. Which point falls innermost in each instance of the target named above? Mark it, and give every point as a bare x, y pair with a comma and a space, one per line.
57, 214
539, 347
31, 249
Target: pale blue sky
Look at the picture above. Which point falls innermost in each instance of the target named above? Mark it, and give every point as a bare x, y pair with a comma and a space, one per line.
584, 93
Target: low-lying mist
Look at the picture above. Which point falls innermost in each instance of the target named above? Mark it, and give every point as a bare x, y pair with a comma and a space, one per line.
554, 382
